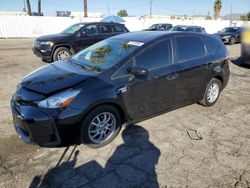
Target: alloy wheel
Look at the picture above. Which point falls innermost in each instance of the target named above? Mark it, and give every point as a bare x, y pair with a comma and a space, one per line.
213, 93
102, 127
62, 55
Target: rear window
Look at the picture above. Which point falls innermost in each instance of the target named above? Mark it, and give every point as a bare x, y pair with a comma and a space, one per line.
199, 30
189, 48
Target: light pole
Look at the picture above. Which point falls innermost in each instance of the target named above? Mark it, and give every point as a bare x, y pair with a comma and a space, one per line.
231, 16
85, 2
151, 3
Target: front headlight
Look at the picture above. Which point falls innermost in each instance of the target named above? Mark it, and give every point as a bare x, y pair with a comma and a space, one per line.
47, 43
226, 37
59, 100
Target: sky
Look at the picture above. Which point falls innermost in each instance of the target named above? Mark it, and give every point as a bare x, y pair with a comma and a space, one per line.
134, 8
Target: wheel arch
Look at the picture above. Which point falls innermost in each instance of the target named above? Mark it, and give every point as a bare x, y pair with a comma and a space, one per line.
120, 109
220, 78
66, 45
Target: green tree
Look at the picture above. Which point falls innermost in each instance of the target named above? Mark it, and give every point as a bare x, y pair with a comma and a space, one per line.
217, 8
208, 18
122, 13
248, 16
243, 18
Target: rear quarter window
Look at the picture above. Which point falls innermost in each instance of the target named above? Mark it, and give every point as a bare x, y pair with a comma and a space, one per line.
189, 47
212, 44
118, 29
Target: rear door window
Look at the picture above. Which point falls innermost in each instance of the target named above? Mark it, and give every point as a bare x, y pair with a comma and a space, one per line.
189, 47
105, 29
156, 55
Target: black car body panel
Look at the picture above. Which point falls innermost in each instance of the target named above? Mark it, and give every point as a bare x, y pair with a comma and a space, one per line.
59, 75
228, 33
75, 41
160, 27
166, 87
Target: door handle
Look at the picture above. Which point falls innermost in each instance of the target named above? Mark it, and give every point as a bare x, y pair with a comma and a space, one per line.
172, 76
209, 65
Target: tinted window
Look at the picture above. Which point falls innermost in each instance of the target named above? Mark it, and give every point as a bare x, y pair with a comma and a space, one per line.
198, 30
118, 28
156, 55
212, 44
168, 26
189, 48
104, 29
230, 30
190, 29
89, 29
72, 29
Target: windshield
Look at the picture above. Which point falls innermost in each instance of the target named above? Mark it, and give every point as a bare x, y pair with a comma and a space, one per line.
153, 26
105, 54
179, 28
229, 30
72, 29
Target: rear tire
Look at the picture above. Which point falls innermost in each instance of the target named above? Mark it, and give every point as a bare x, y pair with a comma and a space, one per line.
61, 53
101, 120
212, 93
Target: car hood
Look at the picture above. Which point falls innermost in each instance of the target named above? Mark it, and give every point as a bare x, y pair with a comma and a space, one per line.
223, 34
54, 77
52, 37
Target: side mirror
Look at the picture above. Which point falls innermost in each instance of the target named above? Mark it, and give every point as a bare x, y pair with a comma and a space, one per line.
79, 34
137, 71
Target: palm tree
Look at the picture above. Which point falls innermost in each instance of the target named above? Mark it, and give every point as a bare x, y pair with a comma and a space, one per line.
28, 7
217, 8
85, 2
39, 8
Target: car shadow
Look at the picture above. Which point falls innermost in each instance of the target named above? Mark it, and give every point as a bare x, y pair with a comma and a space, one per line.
131, 165
239, 62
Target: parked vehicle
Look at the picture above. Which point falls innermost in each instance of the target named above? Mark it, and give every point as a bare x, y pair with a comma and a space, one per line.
160, 27
230, 35
74, 39
245, 47
124, 79
187, 28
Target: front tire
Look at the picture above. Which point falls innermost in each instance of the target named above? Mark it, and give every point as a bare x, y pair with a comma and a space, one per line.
212, 93
61, 53
232, 41
100, 126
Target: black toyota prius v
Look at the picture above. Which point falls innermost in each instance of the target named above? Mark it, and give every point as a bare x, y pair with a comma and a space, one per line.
121, 80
